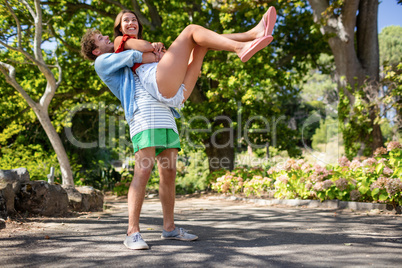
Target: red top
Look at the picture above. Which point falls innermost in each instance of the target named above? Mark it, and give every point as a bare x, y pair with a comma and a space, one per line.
120, 48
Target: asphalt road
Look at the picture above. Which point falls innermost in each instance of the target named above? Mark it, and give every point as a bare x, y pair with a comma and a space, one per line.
231, 234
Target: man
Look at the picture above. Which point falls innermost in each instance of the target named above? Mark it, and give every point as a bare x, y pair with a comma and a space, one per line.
152, 128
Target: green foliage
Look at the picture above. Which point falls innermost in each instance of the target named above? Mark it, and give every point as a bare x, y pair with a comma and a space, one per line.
192, 174
32, 156
355, 123
121, 187
103, 177
251, 181
390, 42
328, 130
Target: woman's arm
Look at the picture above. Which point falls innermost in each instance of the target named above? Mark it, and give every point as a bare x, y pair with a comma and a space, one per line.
137, 44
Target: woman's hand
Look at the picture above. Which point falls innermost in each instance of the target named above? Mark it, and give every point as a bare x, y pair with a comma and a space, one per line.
158, 47
158, 55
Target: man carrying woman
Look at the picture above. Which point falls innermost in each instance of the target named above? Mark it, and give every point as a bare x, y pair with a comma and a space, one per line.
148, 94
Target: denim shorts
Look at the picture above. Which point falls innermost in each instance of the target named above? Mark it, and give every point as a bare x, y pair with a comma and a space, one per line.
147, 75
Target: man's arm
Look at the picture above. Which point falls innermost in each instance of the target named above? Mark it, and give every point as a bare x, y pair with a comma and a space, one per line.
149, 57
111, 62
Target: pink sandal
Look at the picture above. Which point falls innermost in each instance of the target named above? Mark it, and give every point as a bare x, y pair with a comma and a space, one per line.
256, 46
269, 22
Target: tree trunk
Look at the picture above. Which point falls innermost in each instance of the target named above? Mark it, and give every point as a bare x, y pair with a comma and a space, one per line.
54, 138
219, 147
220, 151
357, 64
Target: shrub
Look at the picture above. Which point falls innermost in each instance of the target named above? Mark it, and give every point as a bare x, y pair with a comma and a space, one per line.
375, 179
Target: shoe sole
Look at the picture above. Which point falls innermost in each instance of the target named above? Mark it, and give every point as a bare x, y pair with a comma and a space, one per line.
136, 248
255, 47
269, 23
180, 239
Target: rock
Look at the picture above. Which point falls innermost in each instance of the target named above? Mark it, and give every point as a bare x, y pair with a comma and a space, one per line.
7, 197
42, 198
2, 224
85, 198
74, 198
15, 177
92, 199
3, 206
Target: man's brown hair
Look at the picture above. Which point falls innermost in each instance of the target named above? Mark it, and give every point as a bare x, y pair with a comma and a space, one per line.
88, 44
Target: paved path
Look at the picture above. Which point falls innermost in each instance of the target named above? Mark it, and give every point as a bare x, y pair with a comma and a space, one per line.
231, 234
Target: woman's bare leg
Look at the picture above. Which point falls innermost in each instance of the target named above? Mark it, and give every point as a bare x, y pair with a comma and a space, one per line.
193, 70
259, 30
250, 35
172, 69
204, 38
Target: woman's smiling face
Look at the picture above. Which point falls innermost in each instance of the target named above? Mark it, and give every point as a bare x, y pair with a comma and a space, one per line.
129, 24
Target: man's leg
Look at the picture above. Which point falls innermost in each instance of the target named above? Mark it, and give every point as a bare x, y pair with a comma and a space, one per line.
167, 187
167, 192
144, 162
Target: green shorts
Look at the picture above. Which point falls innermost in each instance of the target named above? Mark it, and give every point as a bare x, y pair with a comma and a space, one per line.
160, 138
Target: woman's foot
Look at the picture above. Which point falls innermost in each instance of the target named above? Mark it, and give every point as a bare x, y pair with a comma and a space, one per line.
266, 24
269, 20
253, 47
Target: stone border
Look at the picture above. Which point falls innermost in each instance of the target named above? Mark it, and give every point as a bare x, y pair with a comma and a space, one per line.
331, 204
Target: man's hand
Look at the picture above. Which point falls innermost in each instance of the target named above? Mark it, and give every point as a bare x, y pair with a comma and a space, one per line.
158, 47
159, 55
149, 57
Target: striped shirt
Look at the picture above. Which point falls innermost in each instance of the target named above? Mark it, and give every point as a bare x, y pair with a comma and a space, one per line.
151, 113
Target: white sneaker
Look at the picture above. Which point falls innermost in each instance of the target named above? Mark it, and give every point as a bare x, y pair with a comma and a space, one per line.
178, 234
135, 241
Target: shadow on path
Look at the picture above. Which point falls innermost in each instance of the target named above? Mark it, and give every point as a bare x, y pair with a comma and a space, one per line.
231, 234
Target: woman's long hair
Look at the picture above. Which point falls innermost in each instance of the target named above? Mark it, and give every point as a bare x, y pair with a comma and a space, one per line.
117, 24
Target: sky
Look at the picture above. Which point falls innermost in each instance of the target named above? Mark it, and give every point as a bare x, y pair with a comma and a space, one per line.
389, 13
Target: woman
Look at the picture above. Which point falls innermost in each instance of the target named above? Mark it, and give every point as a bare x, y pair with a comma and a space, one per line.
173, 78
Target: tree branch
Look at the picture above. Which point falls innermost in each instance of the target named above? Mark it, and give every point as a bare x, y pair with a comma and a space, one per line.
51, 84
137, 10
349, 15
29, 8
26, 54
333, 23
10, 78
142, 18
116, 3
73, 7
18, 25
57, 36
153, 12
319, 7
38, 31
57, 65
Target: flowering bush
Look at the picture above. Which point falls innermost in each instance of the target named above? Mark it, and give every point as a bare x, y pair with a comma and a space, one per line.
240, 180
375, 179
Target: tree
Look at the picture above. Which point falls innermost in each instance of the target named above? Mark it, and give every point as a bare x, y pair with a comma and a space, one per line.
22, 40
390, 40
351, 29
390, 43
